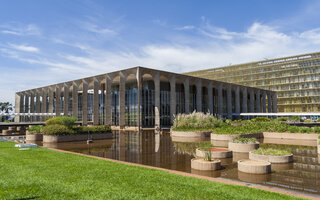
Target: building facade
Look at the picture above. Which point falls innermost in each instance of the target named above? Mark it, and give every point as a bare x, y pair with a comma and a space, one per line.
296, 79
140, 97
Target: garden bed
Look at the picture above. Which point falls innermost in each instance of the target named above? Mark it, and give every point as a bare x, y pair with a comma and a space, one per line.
190, 134
215, 152
294, 136
240, 144
271, 158
75, 137
204, 165
229, 137
254, 167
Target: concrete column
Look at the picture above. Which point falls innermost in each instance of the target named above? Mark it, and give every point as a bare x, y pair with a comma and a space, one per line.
157, 100
258, 99
75, 99
237, 99
108, 101
244, 100
26, 103
229, 101
220, 99
187, 95
32, 102
17, 107
50, 100
139, 85
251, 100
96, 85
210, 98
44, 101
38, 102
199, 96
274, 102
58, 100
264, 110
269, 102
66, 99
173, 101
122, 103
84, 102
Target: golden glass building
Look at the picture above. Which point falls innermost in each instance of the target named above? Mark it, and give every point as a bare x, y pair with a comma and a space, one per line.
296, 79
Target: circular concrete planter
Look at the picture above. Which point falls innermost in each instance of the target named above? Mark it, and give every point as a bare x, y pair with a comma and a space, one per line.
190, 134
220, 143
243, 147
254, 166
215, 153
270, 158
203, 165
211, 173
34, 137
254, 178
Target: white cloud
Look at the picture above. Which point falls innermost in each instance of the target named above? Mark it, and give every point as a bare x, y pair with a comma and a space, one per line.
24, 48
96, 29
20, 29
188, 27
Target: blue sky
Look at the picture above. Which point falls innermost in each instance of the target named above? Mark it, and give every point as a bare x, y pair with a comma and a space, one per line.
45, 42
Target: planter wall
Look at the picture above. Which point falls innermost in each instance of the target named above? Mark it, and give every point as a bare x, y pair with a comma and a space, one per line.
242, 147
270, 158
200, 164
215, 154
232, 136
70, 138
34, 137
190, 134
6, 132
254, 167
294, 136
188, 139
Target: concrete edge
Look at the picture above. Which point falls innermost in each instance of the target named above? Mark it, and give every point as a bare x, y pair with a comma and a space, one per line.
271, 158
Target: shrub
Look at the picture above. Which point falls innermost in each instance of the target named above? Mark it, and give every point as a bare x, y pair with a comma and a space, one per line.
294, 118
244, 140
57, 129
318, 119
36, 129
282, 119
316, 129
205, 146
293, 129
196, 120
63, 120
260, 119
92, 129
304, 129
271, 152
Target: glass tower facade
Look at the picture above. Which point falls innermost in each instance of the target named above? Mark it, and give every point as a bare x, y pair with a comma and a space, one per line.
296, 79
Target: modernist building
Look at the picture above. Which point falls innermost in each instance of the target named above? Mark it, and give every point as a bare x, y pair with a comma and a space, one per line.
296, 79
140, 96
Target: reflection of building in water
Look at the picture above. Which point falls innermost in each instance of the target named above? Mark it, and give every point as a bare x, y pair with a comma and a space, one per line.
140, 96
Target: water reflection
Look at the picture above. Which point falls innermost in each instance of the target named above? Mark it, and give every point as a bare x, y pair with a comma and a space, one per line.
160, 150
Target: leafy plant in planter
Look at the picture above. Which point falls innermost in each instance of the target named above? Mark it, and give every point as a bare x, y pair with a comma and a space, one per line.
208, 156
35, 129
244, 140
272, 152
57, 129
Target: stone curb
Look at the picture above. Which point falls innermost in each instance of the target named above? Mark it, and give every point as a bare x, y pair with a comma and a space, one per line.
70, 138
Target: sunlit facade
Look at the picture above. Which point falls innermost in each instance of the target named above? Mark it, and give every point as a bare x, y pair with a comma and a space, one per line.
296, 79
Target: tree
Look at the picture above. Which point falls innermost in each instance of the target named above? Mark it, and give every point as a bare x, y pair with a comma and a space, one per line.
5, 107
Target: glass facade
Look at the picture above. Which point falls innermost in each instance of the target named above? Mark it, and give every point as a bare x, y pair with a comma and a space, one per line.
296, 80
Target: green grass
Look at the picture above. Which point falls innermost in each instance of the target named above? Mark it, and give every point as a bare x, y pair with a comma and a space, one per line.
244, 140
48, 174
272, 152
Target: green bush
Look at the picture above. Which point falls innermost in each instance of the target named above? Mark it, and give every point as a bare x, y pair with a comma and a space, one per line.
196, 120
294, 118
92, 129
283, 119
244, 140
57, 129
272, 152
293, 129
316, 129
36, 129
318, 119
63, 120
304, 129
260, 119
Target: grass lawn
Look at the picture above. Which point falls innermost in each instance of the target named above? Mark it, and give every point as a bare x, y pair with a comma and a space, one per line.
48, 174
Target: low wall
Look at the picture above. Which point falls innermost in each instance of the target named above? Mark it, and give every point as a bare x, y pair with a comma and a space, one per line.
34, 137
242, 147
270, 158
254, 167
223, 153
296, 136
232, 136
70, 138
190, 134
